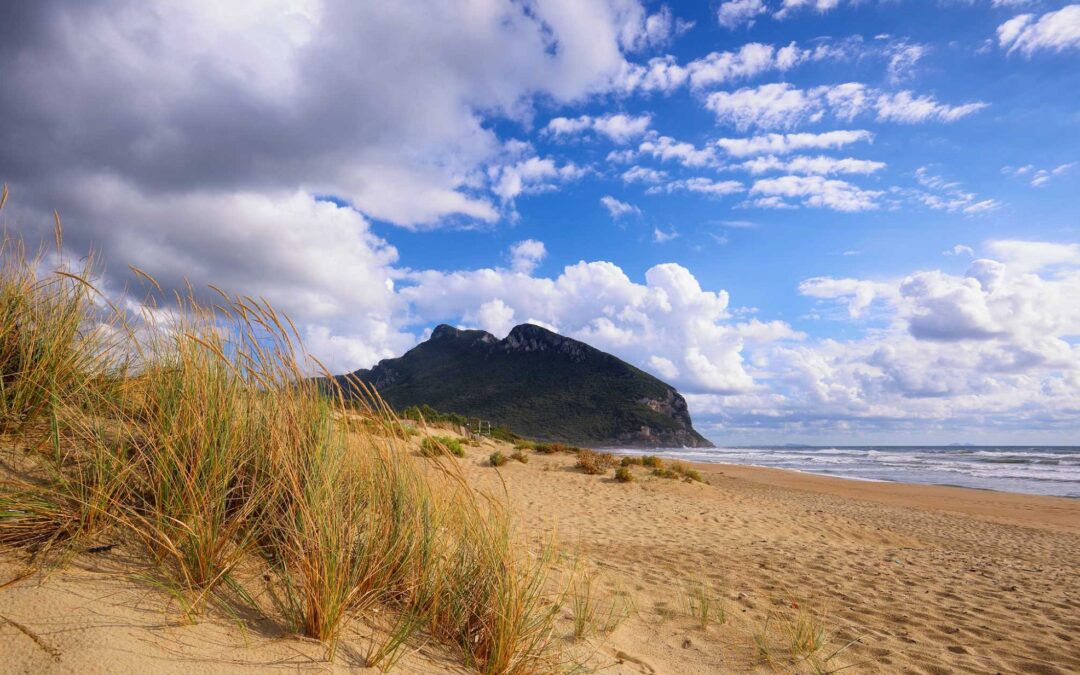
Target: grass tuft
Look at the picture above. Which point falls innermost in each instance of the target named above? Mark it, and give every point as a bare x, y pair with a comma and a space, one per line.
437, 446
193, 429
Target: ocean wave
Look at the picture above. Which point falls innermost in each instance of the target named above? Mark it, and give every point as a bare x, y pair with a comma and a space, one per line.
1037, 470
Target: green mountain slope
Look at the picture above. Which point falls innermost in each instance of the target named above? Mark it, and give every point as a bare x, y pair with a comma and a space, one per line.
540, 384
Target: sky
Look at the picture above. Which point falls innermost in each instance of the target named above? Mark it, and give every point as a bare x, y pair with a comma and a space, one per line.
823, 221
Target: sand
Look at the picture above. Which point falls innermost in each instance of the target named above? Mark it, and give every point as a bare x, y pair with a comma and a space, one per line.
912, 579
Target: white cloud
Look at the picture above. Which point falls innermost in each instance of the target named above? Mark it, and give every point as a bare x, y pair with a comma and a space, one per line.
944, 195
617, 208
699, 184
784, 106
903, 58
641, 174
789, 7
526, 255
665, 74
908, 108
815, 191
494, 316
1043, 176
661, 237
738, 13
531, 175
668, 323
784, 143
1032, 256
803, 164
1053, 31
986, 352
666, 148
779, 105
618, 127
332, 117
960, 249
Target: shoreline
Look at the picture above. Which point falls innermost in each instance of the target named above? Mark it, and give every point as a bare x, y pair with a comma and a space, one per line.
1021, 508
896, 577
665, 453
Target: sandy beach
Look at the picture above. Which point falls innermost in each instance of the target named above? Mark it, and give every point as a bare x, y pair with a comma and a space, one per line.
895, 578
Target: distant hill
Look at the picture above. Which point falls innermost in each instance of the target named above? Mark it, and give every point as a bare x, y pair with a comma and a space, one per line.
539, 384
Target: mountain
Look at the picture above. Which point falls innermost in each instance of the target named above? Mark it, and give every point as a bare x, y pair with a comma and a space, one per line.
538, 383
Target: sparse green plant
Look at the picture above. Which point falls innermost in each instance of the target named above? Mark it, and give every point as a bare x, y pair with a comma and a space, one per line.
630, 461
652, 462
519, 456
435, 446
592, 614
686, 472
763, 641
624, 475
594, 463
704, 604
664, 473
804, 636
497, 459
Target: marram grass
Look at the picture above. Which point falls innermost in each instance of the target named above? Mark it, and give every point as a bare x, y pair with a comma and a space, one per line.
191, 431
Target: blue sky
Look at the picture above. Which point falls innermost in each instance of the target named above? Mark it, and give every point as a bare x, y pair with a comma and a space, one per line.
824, 221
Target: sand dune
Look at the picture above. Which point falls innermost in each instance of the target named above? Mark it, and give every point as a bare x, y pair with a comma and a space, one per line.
916, 579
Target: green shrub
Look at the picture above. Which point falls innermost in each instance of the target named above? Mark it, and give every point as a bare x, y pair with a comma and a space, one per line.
519, 456
686, 472
630, 461
624, 475
652, 462
433, 446
594, 463
664, 473
497, 459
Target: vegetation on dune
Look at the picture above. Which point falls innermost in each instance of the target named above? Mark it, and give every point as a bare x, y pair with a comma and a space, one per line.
435, 446
594, 463
191, 433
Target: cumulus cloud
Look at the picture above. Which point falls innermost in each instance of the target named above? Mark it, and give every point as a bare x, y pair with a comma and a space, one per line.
666, 148
665, 74
531, 175
313, 260
618, 127
1053, 31
903, 57
526, 255
785, 106
769, 106
779, 144
992, 348
661, 236
803, 164
738, 13
669, 319
617, 208
266, 111
908, 108
641, 174
815, 191
701, 185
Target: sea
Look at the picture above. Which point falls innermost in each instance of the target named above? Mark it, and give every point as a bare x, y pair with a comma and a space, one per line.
1037, 470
